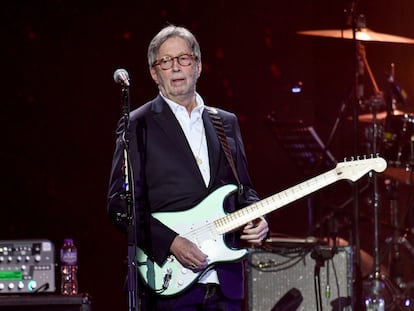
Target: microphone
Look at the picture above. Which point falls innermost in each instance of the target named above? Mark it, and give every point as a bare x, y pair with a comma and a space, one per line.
121, 76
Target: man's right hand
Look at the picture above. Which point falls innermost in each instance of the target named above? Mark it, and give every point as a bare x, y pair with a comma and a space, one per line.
188, 254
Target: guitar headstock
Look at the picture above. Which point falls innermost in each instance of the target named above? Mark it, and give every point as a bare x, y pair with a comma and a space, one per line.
355, 169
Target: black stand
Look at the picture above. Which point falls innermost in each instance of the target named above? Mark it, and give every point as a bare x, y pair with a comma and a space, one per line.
357, 97
306, 148
303, 145
128, 195
361, 67
375, 102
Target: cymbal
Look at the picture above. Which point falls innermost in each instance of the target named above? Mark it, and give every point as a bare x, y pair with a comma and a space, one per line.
369, 117
364, 34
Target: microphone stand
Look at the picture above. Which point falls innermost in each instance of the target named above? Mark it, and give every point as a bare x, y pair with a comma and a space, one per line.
130, 216
355, 21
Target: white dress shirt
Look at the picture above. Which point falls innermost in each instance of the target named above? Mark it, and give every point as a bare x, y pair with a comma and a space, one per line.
193, 128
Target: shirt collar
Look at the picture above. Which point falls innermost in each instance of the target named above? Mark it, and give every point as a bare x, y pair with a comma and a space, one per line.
174, 106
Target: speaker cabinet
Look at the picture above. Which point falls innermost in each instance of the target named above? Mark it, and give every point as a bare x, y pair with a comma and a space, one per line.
278, 275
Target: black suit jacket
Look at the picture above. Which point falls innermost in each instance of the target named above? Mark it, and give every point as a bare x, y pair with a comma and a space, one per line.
167, 178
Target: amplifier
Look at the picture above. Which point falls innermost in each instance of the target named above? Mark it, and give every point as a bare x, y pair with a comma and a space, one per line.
284, 279
27, 266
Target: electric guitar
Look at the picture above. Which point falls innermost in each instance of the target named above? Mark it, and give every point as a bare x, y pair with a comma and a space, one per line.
206, 223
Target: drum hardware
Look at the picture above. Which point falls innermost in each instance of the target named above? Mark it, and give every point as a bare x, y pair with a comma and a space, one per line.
359, 33
373, 294
376, 103
398, 142
401, 140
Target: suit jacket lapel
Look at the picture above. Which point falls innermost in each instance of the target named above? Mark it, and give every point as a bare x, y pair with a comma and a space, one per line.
168, 123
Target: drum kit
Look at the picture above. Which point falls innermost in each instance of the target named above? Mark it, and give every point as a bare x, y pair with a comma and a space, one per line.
390, 133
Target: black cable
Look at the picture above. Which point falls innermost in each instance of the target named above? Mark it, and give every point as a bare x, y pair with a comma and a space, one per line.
338, 289
291, 258
317, 285
42, 288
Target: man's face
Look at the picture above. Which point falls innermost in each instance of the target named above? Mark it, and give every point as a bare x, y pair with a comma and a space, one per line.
177, 83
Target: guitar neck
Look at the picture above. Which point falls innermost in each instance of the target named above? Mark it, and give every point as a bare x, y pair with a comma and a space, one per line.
242, 216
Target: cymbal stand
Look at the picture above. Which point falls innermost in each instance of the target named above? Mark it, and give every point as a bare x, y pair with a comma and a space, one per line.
375, 301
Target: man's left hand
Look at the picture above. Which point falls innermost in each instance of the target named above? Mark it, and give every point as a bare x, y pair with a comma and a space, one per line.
255, 231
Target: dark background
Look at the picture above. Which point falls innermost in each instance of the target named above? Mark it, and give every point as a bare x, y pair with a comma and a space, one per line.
60, 106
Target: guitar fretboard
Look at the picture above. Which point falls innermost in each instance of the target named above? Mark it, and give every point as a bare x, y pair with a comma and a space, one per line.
240, 217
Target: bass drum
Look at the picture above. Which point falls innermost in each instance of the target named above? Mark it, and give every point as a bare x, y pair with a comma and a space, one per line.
398, 141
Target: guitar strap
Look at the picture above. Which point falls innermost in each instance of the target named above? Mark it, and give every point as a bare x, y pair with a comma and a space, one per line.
218, 126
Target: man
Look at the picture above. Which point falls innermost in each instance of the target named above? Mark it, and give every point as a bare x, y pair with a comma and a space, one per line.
177, 162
